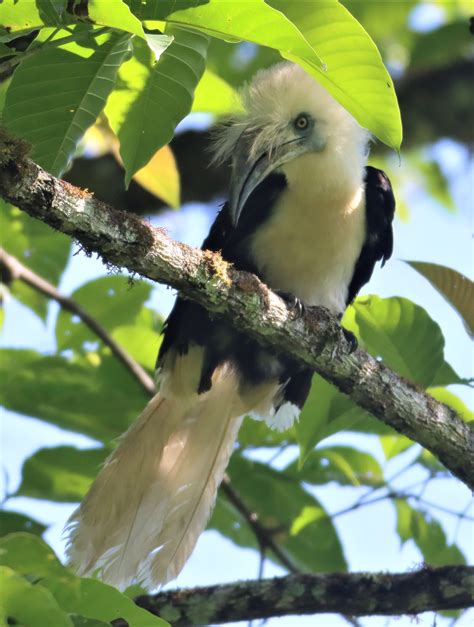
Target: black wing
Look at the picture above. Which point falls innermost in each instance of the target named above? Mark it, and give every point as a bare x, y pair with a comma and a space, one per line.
188, 322
378, 245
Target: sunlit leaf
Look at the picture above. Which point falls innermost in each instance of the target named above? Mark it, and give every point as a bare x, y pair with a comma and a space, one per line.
112, 301
152, 98
427, 534
253, 21
61, 474
56, 95
343, 464
160, 177
140, 342
28, 15
393, 445
399, 332
354, 72
215, 95
456, 288
11, 522
97, 400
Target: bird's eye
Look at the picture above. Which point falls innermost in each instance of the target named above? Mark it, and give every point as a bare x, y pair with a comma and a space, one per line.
302, 122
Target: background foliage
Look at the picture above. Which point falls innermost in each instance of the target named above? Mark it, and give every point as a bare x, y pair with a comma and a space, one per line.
100, 86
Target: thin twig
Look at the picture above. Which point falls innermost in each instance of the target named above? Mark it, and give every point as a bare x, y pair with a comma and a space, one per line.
20, 272
263, 535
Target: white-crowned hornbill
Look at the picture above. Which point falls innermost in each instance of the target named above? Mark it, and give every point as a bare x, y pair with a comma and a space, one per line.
309, 218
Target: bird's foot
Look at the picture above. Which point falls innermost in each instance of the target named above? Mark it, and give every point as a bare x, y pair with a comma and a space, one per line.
350, 339
293, 303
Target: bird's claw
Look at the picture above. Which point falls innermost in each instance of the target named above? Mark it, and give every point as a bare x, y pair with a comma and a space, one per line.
293, 302
350, 339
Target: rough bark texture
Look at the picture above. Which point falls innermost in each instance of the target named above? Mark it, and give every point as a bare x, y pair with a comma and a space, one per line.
354, 594
316, 339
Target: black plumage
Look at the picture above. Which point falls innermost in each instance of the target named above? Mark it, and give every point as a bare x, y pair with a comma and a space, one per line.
190, 324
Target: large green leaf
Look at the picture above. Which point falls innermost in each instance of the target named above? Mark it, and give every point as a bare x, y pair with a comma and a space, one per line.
89, 598
26, 15
354, 72
26, 604
399, 332
13, 521
99, 400
37, 246
253, 21
152, 98
343, 464
305, 531
427, 534
56, 95
112, 301
456, 288
61, 474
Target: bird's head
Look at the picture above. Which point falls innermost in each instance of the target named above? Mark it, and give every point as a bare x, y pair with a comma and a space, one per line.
286, 116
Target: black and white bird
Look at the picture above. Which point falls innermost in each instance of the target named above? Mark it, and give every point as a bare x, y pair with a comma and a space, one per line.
308, 217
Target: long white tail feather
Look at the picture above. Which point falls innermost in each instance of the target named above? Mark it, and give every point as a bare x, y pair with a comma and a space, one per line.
145, 511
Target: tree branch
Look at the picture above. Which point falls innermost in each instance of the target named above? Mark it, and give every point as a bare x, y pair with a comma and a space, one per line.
354, 594
17, 270
316, 339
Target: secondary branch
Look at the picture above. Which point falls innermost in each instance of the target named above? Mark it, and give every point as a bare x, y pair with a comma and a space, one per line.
354, 594
316, 339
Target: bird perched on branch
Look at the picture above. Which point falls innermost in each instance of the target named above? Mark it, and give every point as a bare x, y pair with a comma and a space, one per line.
308, 217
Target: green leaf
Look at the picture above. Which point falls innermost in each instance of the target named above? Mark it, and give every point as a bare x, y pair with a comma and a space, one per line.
215, 95
56, 95
29, 605
82, 621
61, 474
111, 301
326, 411
431, 178
305, 531
89, 598
30, 555
253, 21
456, 288
11, 522
27, 15
152, 98
140, 342
399, 332
355, 74
116, 14
393, 445
427, 534
38, 247
441, 46
99, 400
343, 464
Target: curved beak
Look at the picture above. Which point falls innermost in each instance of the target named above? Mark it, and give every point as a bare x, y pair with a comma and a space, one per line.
247, 175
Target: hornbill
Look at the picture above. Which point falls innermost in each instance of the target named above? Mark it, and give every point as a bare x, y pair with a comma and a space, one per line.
309, 218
